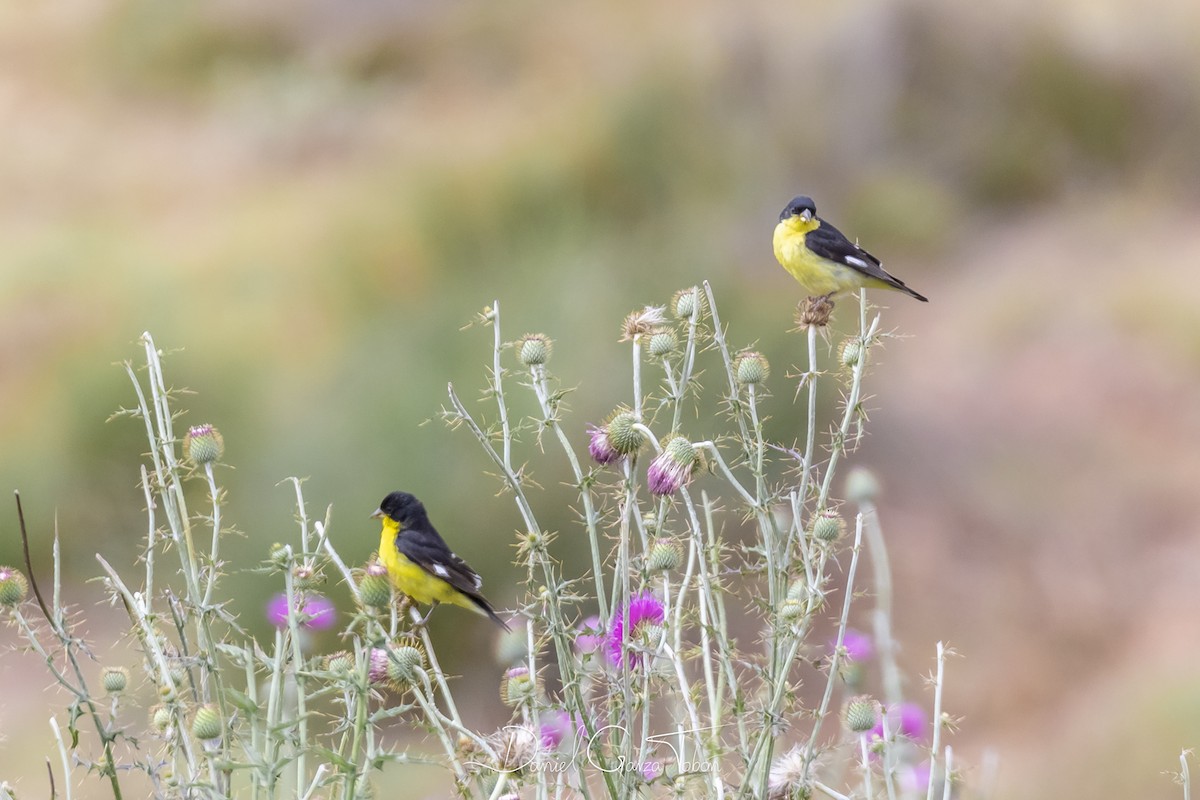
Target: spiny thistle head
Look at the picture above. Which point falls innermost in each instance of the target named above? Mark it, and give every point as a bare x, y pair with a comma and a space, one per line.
534, 349
518, 687
641, 323
673, 467
791, 609
278, 555
665, 555
203, 444
375, 588
663, 343
160, 718
646, 615
13, 586
751, 368
861, 486
115, 679
860, 713
827, 526
814, 312
305, 576
686, 302
206, 723
850, 352
340, 663
407, 657
622, 436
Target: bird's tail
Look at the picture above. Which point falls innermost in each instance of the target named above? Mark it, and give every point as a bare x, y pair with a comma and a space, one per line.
485, 608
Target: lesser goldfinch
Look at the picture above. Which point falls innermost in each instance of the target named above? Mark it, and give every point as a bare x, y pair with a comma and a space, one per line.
420, 564
823, 260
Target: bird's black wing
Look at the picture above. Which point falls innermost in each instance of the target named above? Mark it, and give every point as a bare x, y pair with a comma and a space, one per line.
828, 242
427, 549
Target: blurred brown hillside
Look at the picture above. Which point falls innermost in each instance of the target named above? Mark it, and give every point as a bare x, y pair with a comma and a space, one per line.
310, 199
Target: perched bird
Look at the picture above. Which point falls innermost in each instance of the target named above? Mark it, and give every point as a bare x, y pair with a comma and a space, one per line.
823, 260
420, 564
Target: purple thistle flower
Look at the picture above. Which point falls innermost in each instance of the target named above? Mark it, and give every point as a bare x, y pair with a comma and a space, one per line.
555, 725
377, 668
600, 447
314, 611
590, 635
859, 646
908, 719
673, 467
651, 770
643, 609
915, 777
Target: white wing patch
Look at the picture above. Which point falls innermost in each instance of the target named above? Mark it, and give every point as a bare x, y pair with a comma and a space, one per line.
857, 262
441, 571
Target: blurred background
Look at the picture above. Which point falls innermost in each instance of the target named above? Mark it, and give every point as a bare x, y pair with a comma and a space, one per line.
305, 201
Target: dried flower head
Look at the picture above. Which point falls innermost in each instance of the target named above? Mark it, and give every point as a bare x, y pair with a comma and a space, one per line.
516, 747
814, 312
640, 323
786, 780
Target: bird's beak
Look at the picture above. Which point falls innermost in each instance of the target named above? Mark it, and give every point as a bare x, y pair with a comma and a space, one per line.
806, 215
377, 514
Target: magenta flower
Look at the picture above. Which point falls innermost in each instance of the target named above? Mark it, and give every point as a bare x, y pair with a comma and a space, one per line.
314, 611
377, 666
859, 646
600, 447
673, 467
651, 770
555, 725
915, 777
590, 635
908, 719
644, 610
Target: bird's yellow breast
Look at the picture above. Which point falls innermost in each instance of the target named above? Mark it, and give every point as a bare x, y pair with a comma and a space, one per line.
410, 578
817, 275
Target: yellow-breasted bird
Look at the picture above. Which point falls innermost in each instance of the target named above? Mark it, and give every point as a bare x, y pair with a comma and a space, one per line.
823, 260
419, 562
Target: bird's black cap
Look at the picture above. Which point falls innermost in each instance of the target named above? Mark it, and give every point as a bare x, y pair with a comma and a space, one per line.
800, 202
401, 506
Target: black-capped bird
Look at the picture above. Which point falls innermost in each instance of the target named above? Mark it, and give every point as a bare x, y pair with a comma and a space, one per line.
823, 260
419, 562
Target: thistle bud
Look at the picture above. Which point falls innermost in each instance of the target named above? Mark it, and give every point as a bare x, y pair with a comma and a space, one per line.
160, 718
622, 436
115, 679
203, 444
340, 663
305, 576
206, 724
827, 526
686, 302
751, 368
663, 343
13, 586
665, 555
791, 609
518, 687
850, 353
534, 349
861, 486
278, 555
404, 661
860, 713
673, 468
375, 588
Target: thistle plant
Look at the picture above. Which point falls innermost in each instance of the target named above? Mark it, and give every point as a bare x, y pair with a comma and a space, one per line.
703, 652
